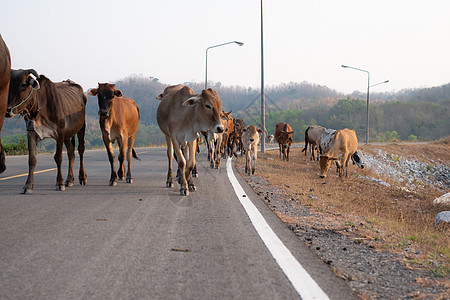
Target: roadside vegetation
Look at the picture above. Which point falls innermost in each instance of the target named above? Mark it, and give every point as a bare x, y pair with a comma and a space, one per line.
374, 209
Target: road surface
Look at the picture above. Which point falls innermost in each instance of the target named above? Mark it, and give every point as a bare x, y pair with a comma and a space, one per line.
141, 240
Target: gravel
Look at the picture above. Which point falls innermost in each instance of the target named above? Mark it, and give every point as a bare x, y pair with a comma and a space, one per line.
370, 273
415, 174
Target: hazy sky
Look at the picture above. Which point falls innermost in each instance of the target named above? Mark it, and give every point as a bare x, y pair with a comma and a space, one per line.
90, 41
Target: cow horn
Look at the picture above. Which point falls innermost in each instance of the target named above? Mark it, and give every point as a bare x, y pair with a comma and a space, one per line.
32, 71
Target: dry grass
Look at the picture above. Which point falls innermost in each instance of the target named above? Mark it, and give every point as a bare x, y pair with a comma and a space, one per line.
387, 218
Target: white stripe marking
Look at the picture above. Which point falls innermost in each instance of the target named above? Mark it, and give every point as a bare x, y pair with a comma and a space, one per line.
302, 282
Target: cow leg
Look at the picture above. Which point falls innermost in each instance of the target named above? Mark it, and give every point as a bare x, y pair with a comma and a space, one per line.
254, 157
58, 160
194, 171
2, 159
169, 181
70, 146
82, 177
109, 150
247, 162
190, 164
32, 161
182, 167
129, 157
287, 153
121, 169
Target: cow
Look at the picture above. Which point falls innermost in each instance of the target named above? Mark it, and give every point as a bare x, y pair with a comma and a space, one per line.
235, 137
180, 116
284, 137
118, 118
271, 138
250, 140
229, 127
5, 73
312, 137
341, 147
51, 110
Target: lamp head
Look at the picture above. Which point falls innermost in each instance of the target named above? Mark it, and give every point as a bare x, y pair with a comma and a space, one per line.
239, 43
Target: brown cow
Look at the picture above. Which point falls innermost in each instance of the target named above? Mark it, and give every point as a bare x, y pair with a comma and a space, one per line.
312, 137
250, 140
284, 136
181, 115
235, 137
229, 127
5, 73
119, 118
51, 110
342, 146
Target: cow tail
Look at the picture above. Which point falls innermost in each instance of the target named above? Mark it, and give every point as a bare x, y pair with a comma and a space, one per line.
72, 140
135, 155
306, 141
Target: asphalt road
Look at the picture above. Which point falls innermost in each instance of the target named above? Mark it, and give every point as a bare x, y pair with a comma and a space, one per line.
141, 240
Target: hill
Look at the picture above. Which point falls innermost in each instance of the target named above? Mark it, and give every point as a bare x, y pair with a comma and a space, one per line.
419, 114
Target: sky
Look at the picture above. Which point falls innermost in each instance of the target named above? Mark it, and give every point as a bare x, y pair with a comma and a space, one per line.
404, 41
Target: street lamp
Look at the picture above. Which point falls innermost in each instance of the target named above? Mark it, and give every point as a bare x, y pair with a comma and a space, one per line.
206, 71
368, 92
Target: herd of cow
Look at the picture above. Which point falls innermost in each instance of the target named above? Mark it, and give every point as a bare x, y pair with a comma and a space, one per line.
57, 110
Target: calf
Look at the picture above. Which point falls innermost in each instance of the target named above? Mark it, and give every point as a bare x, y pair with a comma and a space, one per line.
235, 137
341, 147
119, 118
250, 140
284, 136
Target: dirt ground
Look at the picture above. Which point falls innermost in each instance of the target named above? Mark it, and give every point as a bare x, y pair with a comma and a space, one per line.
374, 230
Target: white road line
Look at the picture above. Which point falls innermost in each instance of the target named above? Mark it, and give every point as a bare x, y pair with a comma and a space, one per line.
302, 282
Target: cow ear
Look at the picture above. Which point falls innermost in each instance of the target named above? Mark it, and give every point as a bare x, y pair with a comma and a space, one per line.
191, 101
230, 112
93, 92
333, 158
244, 130
118, 93
259, 130
159, 97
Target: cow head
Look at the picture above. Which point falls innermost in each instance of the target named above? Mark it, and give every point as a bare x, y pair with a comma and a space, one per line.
357, 159
287, 137
21, 91
325, 163
251, 133
106, 92
208, 107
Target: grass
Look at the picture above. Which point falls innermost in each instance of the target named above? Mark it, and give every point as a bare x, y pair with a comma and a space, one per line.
390, 217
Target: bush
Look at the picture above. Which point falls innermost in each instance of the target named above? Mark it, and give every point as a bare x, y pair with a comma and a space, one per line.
16, 148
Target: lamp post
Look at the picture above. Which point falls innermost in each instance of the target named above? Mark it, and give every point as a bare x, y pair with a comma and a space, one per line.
368, 92
263, 99
206, 65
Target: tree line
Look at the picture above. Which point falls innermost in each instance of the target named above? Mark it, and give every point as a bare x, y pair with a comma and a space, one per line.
413, 114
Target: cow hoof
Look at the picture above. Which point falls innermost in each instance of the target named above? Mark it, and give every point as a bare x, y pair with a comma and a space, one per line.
113, 183
192, 188
253, 171
184, 192
82, 182
195, 175
69, 184
27, 191
130, 180
60, 188
322, 176
169, 184
217, 167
